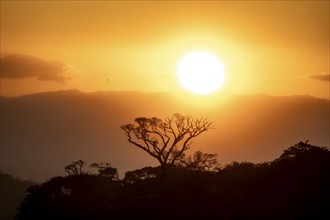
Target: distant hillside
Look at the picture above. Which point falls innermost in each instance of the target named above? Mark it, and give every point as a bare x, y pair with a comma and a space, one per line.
12, 191
41, 133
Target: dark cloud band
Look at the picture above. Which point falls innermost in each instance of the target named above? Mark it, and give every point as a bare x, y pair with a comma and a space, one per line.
321, 76
23, 66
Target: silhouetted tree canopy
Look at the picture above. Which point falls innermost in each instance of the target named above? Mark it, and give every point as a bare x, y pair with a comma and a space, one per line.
75, 168
303, 150
166, 140
294, 186
199, 161
106, 170
141, 174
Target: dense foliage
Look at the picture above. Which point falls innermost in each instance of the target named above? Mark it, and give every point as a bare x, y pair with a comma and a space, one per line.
294, 186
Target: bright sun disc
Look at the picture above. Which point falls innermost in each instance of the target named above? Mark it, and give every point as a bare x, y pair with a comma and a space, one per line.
201, 72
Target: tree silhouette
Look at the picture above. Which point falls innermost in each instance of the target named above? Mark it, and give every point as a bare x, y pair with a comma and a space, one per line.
75, 168
200, 161
106, 170
166, 140
141, 174
294, 186
301, 149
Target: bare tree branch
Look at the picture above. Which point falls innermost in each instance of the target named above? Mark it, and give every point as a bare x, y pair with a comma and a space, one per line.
166, 140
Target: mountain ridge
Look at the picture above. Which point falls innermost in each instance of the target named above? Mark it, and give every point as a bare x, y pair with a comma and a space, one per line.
77, 91
41, 133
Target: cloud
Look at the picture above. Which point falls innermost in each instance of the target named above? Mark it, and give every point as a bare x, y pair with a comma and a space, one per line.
321, 76
24, 66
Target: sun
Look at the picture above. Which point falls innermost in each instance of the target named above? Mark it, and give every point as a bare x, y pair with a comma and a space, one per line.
201, 72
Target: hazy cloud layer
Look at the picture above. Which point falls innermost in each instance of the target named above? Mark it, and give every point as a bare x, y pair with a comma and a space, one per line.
23, 66
321, 76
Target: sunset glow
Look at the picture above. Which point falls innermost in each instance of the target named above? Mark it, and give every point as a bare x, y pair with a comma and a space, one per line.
201, 72
136, 45
121, 93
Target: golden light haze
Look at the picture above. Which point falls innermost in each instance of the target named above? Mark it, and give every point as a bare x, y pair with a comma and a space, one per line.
273, 47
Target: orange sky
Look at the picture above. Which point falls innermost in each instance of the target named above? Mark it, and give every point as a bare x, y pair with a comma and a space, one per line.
278, 48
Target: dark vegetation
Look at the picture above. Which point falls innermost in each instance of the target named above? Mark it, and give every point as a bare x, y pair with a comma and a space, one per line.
12, 192
294, 186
